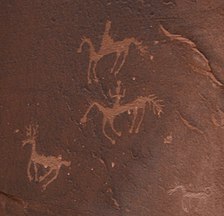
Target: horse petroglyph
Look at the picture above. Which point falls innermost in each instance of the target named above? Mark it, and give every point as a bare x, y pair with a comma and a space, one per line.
52, 163
110, 113
109, 46
187, 197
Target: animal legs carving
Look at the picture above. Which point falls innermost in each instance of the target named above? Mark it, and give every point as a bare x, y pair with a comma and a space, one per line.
94, 71
135, 113
88, 72
115, 63
35, 171
111, 121
53, 178
140, 121
45, 175
28, 171
122, 63
104, 132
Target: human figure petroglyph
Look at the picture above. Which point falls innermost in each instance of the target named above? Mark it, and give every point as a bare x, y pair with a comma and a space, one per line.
110, 113
188, 196
117, 96
108, 46
107, 40
48, 162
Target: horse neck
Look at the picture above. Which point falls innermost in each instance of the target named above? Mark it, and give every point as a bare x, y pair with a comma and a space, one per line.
89, 42
100, 107
33, 144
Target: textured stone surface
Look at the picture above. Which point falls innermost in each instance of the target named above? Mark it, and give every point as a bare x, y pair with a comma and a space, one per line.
172, 166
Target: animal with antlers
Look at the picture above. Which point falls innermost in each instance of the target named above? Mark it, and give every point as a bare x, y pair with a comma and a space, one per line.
52, 163
109, 46
187, 196
110, 113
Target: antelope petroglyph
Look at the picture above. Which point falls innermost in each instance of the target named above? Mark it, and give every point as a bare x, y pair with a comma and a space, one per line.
109, 46
188, 196
110, 113
52, 163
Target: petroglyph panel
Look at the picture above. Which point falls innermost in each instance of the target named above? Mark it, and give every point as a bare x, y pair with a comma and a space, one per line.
146, 75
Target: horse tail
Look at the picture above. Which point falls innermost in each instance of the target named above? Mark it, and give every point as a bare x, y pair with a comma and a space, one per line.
66, 163
157, 106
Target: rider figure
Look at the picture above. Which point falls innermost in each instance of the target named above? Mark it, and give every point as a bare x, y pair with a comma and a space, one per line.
117, 96
107, 40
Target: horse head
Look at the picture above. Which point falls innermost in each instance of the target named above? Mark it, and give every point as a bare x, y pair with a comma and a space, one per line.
83, 41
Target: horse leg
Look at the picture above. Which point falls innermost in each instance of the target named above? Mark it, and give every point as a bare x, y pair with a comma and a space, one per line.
94, 71
111, 121
135, 112
28, 171
115, 63
122, 63
88, 72
35, 171
46, 175
53, 178
140, 121
104, 132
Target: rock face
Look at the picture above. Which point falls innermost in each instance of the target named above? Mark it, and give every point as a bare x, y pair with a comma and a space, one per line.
112, 108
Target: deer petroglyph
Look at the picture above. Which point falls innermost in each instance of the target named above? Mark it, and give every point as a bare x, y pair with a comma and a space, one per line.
109, 46
187, 197
52, 163
110, 113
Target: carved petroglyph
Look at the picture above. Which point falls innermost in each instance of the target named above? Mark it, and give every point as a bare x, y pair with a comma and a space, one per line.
109, 46
206, 69
168, 139
218, 120
110, 113
52, 163
188, 197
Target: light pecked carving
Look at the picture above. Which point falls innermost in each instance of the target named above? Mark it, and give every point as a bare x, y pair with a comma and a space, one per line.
188, 196
52, 163
109, 46
110, 113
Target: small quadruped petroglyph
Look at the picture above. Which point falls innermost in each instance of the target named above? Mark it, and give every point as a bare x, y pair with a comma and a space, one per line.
189, 196
51, 163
